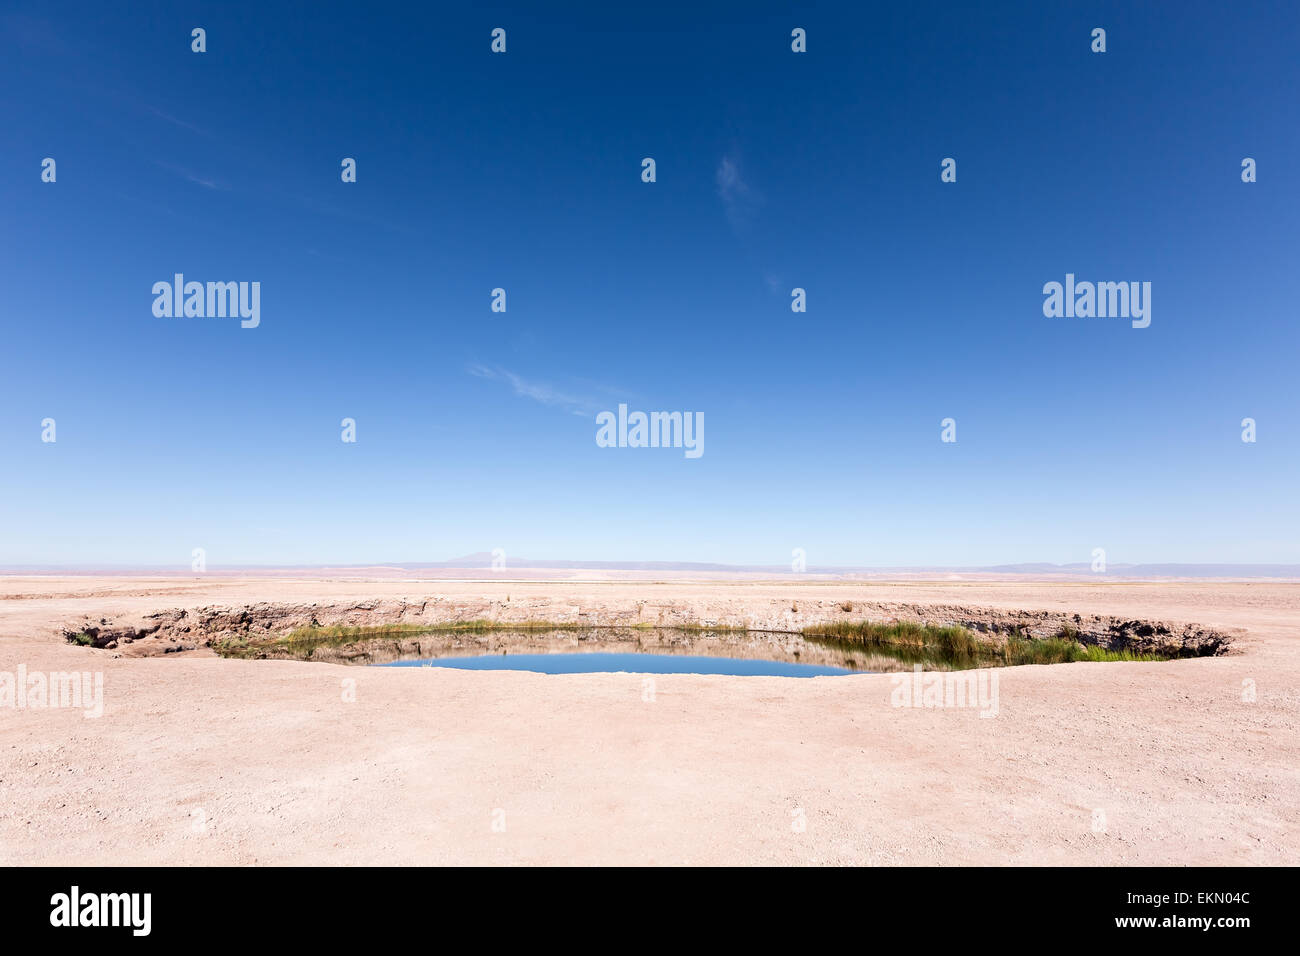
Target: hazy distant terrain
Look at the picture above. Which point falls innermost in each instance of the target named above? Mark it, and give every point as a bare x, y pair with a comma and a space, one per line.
473, 565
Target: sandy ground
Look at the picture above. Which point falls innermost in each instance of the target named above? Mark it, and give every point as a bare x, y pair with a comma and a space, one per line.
199, 760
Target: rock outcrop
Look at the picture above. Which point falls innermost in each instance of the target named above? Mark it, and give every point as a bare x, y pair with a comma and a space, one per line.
190, 628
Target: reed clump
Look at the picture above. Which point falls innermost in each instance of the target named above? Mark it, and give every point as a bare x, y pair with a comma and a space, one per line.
952, 645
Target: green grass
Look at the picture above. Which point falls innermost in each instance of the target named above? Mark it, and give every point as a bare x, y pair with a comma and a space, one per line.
949, 641
959, 647
1063, 650
302, 641
82, 638
942, 646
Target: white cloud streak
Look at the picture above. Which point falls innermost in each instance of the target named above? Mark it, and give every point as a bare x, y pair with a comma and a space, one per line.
541, 392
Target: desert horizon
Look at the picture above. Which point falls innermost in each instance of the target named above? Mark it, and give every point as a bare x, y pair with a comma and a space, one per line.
1215, 746
502, 568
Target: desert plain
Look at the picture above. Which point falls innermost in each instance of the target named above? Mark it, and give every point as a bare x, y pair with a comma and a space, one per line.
198, 759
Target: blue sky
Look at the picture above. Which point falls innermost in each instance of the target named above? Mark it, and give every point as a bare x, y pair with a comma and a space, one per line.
476, 430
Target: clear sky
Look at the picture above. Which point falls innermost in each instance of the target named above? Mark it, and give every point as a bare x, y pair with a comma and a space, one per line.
775, 170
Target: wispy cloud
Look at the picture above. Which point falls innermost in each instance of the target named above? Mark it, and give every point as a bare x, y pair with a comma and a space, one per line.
541, 392
178, 122
739, 199
191, 176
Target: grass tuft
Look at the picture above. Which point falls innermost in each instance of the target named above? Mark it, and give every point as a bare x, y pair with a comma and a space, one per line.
302, 641
957, 646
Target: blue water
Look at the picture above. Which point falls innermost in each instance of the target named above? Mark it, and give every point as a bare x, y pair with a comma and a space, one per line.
630, 663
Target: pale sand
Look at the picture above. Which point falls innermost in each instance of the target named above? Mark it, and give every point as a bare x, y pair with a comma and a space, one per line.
199, 760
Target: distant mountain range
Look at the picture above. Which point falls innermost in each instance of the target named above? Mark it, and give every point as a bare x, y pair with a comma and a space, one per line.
483, 561
1155, 570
